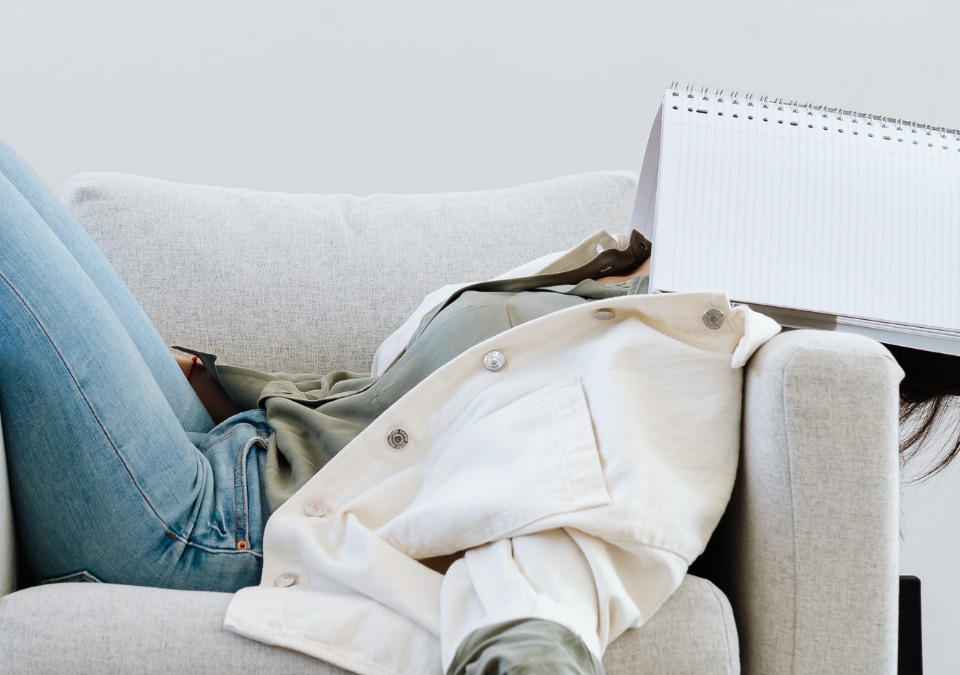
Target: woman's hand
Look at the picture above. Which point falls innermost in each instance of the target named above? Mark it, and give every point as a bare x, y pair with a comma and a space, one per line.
208, 390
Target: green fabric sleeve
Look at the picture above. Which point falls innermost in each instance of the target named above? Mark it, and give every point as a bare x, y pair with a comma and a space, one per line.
524, 647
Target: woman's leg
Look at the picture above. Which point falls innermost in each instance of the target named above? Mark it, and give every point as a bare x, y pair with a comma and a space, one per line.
105, 480
155, 353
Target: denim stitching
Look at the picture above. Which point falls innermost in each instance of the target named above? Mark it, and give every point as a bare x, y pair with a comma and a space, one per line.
107, 435
75, 575
246, 494
236, 512
208, 549
236, 471
240, 483
245, 500
84, 397
210, 442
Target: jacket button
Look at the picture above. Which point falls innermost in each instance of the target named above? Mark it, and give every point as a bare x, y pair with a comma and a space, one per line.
604, 314
713, 319
397, 438
316, 509
493, 361
285, 580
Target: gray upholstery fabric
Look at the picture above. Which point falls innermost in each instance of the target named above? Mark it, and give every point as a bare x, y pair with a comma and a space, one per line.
106, 629
813, 524
313, 283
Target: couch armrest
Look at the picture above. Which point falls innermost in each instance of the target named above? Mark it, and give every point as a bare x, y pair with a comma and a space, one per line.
812, 529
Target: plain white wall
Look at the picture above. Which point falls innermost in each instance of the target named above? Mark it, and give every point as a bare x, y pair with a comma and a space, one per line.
427, 96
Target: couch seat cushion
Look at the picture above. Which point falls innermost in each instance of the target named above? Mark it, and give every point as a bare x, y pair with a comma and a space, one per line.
106, 628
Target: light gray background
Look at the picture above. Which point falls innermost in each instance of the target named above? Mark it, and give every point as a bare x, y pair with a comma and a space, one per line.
429, 96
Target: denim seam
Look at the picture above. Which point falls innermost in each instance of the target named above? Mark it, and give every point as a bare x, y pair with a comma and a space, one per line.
85, 399
208, 549
66, 577
210, 442
259, 441
239, 479
240, 476
236, 506
107, 435
243, 489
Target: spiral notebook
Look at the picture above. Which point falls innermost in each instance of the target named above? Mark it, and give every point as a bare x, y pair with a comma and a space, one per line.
819, 217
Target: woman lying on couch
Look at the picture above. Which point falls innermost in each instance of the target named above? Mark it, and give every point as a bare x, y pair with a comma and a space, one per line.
569, 452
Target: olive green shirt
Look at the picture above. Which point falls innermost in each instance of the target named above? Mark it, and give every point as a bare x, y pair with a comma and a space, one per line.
314, 416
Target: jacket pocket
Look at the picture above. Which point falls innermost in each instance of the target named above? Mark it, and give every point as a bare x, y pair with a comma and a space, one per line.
534, 458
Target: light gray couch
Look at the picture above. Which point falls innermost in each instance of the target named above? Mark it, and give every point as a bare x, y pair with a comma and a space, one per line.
806, 555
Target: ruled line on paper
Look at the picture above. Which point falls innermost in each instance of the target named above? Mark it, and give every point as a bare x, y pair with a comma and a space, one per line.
797, 218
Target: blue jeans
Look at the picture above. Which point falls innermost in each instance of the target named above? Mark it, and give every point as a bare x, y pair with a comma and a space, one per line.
117, 472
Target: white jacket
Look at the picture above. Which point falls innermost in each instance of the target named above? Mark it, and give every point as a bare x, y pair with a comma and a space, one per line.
581, 479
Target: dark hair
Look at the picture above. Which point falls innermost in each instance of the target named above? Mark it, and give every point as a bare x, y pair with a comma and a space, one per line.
927, 391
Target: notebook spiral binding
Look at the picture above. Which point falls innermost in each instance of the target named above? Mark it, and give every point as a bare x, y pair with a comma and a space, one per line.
811, 109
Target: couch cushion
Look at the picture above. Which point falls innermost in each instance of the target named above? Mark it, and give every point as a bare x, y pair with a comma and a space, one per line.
102, 628
313, 283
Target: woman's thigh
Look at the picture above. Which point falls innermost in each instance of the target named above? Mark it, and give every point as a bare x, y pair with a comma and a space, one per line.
105, 481
104, 278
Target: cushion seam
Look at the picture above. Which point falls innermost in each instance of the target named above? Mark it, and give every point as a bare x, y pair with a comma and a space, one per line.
793, 500
726, 627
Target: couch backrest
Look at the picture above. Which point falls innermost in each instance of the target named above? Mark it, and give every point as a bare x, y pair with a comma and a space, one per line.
313, 283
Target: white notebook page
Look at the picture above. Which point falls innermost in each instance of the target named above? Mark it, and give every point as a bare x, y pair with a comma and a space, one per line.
808, 209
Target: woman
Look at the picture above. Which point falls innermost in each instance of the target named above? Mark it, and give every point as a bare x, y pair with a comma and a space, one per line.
927, 391
92, 397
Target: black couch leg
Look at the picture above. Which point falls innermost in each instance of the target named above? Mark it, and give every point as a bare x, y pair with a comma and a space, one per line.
910, 656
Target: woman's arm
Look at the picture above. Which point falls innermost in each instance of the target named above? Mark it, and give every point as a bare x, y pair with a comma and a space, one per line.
208, 390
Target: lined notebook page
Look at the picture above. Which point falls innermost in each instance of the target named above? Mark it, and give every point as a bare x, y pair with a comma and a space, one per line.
808, 209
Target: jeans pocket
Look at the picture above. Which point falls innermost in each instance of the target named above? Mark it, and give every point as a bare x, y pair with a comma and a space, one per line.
77, 577
231, 515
